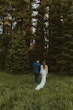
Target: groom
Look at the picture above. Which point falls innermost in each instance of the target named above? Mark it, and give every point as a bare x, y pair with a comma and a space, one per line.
36, 70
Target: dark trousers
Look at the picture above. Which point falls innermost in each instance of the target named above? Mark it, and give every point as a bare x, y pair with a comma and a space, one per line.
36, 77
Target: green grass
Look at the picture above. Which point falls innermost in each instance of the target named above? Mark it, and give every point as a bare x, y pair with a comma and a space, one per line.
17, 92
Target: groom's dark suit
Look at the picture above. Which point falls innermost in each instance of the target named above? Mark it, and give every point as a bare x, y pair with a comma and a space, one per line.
36, 70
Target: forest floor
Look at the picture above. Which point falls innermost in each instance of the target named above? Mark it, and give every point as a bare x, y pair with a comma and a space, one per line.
17, 92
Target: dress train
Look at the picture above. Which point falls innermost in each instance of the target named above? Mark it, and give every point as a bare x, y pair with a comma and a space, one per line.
43, 80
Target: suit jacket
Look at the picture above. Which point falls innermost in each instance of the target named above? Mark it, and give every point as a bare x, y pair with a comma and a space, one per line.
36, 67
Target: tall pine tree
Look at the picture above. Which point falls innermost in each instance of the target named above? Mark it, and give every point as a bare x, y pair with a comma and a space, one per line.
17, 59
61, 38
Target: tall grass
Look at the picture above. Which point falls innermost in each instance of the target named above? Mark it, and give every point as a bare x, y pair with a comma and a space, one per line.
17, 92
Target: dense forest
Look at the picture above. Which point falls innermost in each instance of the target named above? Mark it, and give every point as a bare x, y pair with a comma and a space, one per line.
50, 37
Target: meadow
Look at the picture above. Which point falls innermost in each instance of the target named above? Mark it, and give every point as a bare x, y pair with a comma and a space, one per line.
17, 92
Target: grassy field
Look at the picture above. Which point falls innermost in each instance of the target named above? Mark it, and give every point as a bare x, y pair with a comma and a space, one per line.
17, 92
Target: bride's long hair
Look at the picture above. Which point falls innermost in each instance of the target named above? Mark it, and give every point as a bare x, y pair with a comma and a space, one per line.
44, 64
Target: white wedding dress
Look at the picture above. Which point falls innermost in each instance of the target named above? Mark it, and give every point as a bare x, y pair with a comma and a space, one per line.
44, 73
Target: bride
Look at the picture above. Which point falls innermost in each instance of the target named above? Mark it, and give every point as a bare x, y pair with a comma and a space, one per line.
43, 72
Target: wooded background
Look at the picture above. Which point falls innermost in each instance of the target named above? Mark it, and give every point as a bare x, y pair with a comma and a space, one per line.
52, 40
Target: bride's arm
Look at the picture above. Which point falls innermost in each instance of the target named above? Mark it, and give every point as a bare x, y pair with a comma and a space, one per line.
47, 69
41, 70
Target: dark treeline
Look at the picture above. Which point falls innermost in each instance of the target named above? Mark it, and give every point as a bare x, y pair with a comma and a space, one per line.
53, 36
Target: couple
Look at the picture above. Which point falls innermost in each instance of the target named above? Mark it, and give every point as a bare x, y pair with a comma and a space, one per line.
40, 69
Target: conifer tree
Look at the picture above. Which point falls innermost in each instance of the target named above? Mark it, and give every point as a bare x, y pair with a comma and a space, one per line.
61, 39
17, 59
20, 14
40, 40
65, 57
